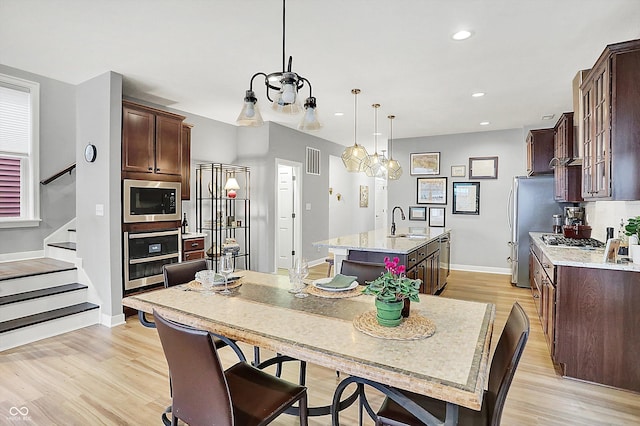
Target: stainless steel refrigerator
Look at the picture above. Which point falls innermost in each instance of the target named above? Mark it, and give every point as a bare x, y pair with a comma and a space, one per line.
531, 209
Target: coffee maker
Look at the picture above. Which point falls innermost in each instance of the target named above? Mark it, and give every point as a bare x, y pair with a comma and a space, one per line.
574, 216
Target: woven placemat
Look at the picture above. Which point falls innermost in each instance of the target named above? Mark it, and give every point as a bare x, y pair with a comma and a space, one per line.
196, 286
311, 289
413, 328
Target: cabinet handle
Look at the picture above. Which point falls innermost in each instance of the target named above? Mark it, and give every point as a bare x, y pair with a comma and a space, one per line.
536, 296
150, 168
157, 170
194, 244
546, 265
413, 259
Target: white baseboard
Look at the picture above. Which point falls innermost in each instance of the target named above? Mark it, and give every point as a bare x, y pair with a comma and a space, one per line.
112, 320
477, 268
5, 257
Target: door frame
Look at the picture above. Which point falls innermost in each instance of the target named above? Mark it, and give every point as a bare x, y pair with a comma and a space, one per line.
297, 208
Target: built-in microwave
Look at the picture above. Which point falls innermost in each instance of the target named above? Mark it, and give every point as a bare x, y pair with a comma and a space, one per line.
150, 201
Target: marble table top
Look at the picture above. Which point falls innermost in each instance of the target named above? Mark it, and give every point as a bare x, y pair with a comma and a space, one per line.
379, 240
584, 258
451, 365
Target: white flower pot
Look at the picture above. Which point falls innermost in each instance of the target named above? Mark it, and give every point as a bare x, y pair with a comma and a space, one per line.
634, 252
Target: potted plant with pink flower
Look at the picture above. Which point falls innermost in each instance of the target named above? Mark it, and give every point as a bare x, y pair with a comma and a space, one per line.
391, 289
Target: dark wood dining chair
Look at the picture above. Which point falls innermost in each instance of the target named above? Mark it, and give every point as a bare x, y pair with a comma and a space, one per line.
182, 273
203, 393
503, 367
365, 271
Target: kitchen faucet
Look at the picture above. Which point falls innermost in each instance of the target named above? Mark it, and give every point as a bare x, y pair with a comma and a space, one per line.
393, 219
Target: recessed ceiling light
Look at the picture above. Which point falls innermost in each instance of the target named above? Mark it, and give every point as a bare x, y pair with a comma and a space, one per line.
548, 116
338, 114
477, 94
484, 123
461, 35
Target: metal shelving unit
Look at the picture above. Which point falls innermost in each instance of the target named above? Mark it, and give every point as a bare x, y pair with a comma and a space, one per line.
218, 214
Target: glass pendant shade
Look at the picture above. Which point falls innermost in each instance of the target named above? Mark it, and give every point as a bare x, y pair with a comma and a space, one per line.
310, 118
354, 157
250, 114
394, 171
373, 166
287, 101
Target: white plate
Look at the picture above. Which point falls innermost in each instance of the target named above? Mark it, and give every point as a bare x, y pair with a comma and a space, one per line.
328, 279
219, 279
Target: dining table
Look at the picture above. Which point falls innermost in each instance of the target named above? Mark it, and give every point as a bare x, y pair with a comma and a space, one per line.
450, 365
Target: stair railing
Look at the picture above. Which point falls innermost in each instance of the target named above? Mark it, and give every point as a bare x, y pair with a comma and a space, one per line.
57, 175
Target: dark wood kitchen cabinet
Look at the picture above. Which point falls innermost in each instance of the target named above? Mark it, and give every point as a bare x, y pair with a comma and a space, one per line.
568, 179
151, 143
610, 126
590, 319
192, 248
186, 161
539, 151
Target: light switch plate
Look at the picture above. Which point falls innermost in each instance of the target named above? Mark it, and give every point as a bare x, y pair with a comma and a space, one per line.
308, 206
99, 209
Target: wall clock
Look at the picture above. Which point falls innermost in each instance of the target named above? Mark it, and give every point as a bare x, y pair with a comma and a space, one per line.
90, 153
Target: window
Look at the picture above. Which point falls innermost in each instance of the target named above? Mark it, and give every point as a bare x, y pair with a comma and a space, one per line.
19, 149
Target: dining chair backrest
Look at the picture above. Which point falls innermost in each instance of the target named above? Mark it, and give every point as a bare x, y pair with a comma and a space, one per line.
200, 394
505, 361
184, 272
365, 271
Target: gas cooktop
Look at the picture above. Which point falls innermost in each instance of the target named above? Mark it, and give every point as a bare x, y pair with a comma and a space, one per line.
557, 240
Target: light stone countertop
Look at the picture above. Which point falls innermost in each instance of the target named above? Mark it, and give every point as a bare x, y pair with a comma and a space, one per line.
191, 235
569, 256
379, 240
451, 365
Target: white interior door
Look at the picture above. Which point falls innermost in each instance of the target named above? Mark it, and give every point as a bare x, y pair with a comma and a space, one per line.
381, 203
286, 217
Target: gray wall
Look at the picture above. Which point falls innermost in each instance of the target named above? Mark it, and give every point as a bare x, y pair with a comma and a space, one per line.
259, 150
57, 151
99, 238
478, 242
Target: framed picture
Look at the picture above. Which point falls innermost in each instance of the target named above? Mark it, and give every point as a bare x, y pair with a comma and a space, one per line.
364, 196
425, 163
458, 171
483, 168
417, 213
432, 190
466, 198
436, 217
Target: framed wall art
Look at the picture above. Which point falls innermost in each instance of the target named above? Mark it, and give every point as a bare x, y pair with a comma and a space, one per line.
417, 213
425, 163
364, 196
483, 168
466, 198
436, 217
458, 171
432, 190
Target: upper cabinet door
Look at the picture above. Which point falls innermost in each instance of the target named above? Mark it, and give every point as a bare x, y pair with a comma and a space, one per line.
138, 135
168, 146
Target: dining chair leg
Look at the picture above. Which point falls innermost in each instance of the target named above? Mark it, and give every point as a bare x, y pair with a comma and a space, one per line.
304, 411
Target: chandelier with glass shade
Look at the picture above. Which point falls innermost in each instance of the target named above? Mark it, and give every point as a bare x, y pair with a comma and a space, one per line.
354, 156
394, 170
282, 89
374, 165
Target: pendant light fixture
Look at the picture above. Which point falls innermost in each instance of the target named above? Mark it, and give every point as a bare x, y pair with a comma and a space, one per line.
373, 164
354, 156
394, 171
284, 85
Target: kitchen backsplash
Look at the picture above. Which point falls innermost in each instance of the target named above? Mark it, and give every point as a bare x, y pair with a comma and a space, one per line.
601, 214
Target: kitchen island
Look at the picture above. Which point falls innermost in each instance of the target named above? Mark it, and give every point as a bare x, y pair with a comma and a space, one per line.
424, 251
589, 312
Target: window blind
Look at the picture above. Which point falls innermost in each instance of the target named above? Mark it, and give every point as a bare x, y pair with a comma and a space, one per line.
15, 119
9, 187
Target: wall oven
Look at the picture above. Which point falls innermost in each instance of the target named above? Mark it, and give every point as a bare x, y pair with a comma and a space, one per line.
150, 201
145, 253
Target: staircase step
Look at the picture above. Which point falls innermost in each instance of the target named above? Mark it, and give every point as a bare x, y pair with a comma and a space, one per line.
42, 317
67, 245
35, 294
31, 267
46, 299
41, 326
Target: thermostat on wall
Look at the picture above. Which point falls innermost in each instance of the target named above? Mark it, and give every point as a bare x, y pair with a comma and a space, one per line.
90, 153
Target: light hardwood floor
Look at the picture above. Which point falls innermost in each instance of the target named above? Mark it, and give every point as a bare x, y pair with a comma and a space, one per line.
119, 376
